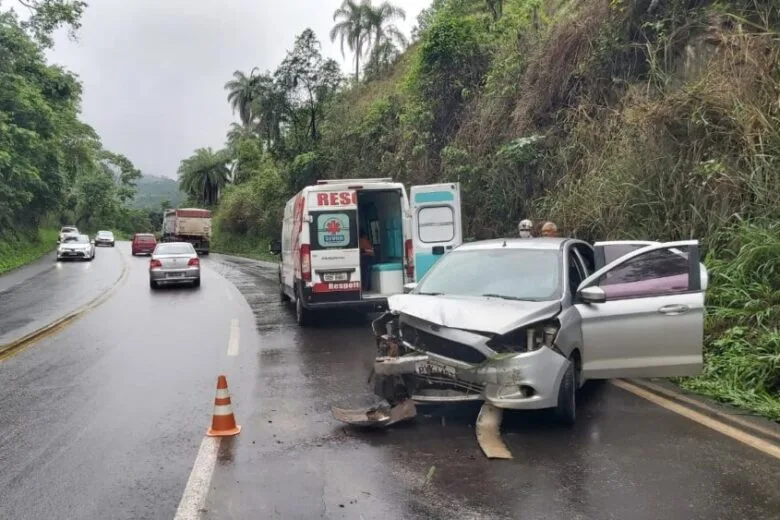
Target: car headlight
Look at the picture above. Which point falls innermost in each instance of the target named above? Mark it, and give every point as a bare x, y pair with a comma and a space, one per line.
526, 339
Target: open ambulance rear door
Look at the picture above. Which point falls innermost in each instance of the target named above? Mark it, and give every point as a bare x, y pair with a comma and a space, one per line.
436, 223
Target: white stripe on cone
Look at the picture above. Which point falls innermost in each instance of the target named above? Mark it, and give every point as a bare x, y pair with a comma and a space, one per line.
222, 393
224, 409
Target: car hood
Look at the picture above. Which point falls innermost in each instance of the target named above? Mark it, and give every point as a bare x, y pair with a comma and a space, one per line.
491, 315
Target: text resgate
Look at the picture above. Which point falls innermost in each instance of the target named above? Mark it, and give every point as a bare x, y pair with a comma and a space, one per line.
335, 198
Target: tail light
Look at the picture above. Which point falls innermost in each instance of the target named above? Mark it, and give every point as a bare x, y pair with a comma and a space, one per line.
194, 261
409, 248
154, 263
306, 262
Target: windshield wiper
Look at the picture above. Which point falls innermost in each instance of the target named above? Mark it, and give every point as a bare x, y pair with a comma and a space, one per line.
502, 296
430, 293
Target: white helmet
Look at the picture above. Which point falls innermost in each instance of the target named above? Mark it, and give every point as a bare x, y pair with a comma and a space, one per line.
524, 228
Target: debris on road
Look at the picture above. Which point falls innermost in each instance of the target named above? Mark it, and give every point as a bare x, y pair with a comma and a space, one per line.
395, 378
489, 432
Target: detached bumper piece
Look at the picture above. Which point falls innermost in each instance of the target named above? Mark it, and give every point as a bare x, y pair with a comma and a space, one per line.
380, 416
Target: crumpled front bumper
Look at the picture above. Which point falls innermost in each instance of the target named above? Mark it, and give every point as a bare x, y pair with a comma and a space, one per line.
524, 381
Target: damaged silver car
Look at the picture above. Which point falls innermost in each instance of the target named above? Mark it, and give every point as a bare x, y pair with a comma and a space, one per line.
522, 323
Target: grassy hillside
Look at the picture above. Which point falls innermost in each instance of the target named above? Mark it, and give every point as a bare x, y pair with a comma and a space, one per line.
23, 248
617, 119
152, 191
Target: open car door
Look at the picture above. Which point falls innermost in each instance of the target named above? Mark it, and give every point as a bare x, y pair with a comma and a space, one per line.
436, 223
643, 314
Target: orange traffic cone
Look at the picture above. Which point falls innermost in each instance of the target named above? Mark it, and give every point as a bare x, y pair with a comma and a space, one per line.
223, 423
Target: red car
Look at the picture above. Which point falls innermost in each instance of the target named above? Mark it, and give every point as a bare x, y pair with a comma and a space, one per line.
143, 243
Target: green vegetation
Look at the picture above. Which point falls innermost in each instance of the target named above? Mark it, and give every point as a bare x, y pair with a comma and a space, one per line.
15, 251
53, 168
152, 192
617, 119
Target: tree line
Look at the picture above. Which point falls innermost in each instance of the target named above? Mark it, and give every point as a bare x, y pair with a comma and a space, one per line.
53, 167
281, 112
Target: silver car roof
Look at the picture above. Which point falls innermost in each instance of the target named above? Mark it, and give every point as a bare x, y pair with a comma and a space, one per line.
548, 243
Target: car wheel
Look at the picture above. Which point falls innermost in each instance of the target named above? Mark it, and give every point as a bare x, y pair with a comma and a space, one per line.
196, 283
566, 411
302, 315
153, 284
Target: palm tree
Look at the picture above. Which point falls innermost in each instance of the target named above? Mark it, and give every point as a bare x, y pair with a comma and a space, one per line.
241, 93
383, 31
204, 174
353, 28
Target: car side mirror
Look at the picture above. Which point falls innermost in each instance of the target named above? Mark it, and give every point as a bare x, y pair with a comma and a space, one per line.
592, 294
92, 241
275, 247
409, 287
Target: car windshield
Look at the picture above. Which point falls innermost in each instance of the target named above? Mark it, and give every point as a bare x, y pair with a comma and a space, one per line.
174, 249
80, 239
509, 273
68, 230
70, 239
104, 233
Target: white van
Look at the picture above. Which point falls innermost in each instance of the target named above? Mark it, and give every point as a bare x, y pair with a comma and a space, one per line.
321, 264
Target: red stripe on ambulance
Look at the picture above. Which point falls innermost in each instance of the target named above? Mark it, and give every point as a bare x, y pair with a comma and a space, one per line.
336, 287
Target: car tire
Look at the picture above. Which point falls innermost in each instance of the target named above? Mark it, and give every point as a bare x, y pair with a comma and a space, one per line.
153, 284
566, 411
302, 315
196, 283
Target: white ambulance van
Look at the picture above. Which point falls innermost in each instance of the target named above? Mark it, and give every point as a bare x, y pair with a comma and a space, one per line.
321, 263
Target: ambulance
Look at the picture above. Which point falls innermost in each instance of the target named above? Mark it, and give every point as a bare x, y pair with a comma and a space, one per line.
321, 265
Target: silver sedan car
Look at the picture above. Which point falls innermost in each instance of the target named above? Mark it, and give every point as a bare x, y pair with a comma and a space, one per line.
523, 323
174, 263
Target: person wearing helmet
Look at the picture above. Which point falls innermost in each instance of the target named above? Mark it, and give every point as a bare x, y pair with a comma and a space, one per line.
549, 229
524, 228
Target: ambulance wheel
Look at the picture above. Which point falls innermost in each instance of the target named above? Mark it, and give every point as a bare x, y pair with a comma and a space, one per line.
302, 315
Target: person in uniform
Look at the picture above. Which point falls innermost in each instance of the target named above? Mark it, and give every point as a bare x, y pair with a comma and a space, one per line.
549, 229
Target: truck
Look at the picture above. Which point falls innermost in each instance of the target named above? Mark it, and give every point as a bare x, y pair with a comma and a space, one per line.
191, 225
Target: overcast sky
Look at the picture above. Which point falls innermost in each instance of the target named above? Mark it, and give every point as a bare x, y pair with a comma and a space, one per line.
153, 70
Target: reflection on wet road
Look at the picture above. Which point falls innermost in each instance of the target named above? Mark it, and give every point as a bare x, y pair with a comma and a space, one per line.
53, 289
105, 420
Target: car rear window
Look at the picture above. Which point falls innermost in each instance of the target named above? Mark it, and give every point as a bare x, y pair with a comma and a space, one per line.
334, 230
145, 238
67, 230
174, 249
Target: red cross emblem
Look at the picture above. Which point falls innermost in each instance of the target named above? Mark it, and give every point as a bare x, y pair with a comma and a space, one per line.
333, 227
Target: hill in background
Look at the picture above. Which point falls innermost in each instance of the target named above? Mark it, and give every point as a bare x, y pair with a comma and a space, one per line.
152, 190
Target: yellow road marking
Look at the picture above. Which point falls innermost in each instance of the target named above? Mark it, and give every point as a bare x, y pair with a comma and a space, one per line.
735, 433
693, 402
15, 347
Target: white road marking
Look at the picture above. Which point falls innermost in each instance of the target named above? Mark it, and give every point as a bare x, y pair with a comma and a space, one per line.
233, 342
229, 294
754, 442
194, 497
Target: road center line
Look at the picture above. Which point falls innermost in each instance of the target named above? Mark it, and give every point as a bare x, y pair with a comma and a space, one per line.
235, 335
194, 497
754, 442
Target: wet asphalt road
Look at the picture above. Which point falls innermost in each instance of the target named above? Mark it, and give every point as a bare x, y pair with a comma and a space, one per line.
105, 418
47, 290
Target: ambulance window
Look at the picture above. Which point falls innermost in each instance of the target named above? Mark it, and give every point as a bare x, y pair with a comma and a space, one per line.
436, 224
334, 230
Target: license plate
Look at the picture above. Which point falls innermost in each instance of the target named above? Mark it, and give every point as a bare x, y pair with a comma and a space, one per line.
175, 275
335, 277
432, 368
